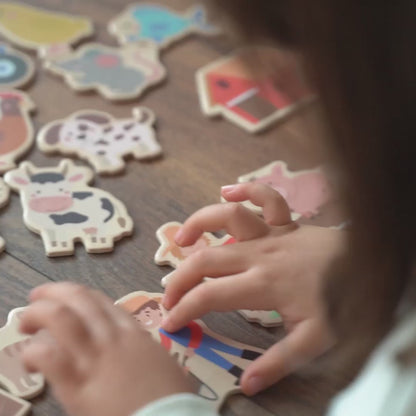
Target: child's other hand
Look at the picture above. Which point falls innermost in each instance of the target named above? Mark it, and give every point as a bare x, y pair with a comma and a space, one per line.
275, 265
96, 358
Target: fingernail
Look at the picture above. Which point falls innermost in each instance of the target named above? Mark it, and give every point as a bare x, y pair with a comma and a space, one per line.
179, 236
254, 385
226, 189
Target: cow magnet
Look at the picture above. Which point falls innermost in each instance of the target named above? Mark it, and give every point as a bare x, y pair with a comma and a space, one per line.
305, 191
16, 130
229, 88
16, 68
169, 253
159, 24
116, 73
101, 139
35, 28
213, 362
13, 375
59, 205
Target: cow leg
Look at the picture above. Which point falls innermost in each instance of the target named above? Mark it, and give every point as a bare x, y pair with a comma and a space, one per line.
49, 241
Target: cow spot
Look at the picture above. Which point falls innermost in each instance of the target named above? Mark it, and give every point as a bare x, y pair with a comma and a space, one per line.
135, 138
107, 129
119, 136
101, 152
82, 127
102, 141
128, 126
81, 136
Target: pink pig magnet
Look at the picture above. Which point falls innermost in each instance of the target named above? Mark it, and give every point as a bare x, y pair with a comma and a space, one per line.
305, 191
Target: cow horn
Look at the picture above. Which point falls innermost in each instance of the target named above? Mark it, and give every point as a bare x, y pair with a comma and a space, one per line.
26, 167
65, 167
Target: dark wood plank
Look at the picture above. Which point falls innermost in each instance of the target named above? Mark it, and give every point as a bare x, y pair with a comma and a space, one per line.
200, 155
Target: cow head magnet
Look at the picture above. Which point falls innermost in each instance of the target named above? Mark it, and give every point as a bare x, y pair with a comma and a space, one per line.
101, 139
59, 205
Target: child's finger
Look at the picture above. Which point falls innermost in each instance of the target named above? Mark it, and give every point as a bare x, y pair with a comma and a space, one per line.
86, 303
54, 363
275, 208
237, 220
64, 325
308, 340
240, 291
209, 262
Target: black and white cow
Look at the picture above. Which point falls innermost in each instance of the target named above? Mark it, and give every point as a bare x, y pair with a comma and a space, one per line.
60, 206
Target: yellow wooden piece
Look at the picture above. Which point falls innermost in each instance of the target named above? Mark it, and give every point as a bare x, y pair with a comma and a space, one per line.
34, 27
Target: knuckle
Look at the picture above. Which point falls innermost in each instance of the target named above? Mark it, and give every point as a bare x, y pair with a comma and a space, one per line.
203, 294
235, 209
200, 258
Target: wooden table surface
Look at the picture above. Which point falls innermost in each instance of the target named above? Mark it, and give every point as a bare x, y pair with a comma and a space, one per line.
200, 155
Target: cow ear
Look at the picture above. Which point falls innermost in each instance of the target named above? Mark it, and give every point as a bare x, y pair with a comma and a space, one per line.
51, 136
20, 181
95, 118
76, 178
144, 115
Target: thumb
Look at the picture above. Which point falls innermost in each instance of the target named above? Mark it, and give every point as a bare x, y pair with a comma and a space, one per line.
308, 340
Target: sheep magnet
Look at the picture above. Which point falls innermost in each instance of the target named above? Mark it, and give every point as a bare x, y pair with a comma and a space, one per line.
213, 362
59, 205
305, 191
117, 74
13, 375
101, 139
13, 406
16, 68
229, 88
35, 28
159, 24
169, 253
16, 129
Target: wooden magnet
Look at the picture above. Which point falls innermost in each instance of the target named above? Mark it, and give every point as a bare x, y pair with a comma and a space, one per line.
101, 139
305, 191
13, 375
16, 68
59, 205
4, 200
16, 129
228, 87
36, 28
122, 73
159, 24
169, 253
215, 362
13, 406
263, 318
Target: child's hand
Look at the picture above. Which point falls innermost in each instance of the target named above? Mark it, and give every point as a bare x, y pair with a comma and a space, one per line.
96, 358
275, 265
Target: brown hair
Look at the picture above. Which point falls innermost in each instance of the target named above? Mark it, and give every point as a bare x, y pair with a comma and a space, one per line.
152, 304
361, 58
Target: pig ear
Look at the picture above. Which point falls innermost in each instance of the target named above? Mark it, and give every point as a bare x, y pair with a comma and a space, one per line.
76, 178
20, 180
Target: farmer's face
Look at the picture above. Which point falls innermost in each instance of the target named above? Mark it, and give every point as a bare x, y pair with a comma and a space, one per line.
149, 318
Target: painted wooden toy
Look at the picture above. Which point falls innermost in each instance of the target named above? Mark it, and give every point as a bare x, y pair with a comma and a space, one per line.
159, 24
13, 375
215, 361
170, 254
13, 406
35, 28
16, 68
101, 139
229, 88
116, 73
305, 191
16, 130
60, 206
4, 200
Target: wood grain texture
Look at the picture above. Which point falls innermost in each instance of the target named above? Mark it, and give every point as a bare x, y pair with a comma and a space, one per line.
199, 155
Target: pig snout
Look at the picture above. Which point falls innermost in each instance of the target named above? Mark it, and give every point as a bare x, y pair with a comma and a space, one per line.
50, 203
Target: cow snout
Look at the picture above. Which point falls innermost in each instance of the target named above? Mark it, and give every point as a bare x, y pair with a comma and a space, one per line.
50, 203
